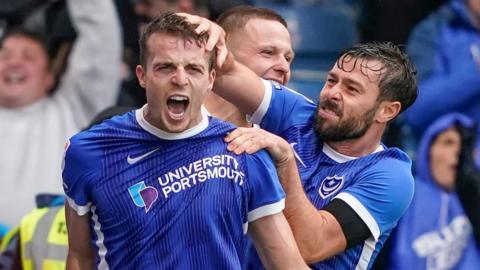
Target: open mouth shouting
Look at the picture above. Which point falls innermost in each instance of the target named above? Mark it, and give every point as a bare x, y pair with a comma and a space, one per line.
329, 109
177, 106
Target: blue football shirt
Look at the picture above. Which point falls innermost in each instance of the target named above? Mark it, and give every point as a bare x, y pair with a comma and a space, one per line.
378, 187
159, 200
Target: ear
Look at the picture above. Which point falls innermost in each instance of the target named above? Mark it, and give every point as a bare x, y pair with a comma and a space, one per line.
211, 79
388, 110
140, 75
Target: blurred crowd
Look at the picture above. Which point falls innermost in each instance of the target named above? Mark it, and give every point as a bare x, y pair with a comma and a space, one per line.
64, 62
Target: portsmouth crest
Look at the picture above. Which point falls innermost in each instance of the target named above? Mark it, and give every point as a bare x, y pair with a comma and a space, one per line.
330, 185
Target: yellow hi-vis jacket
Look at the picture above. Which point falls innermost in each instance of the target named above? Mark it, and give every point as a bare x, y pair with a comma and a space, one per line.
44, 239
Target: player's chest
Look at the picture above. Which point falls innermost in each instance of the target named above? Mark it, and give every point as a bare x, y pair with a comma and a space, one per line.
326, 181
158, 179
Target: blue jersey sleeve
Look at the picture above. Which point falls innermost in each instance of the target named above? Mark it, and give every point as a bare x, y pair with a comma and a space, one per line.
282, 108
381, 195
79, 170
266, 196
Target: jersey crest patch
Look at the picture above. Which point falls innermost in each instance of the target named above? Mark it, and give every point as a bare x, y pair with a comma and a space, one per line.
330, 185
276, 85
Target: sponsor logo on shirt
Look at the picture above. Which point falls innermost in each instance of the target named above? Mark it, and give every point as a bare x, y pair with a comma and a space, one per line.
296, 154
133, 160
143, 195
195, 173
330, 185
222, 167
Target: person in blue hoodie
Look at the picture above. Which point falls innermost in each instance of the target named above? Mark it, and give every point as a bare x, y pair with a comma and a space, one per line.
436, 233
445, 48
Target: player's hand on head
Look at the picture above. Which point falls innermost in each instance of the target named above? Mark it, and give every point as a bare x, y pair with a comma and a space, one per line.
216, 36
251, 140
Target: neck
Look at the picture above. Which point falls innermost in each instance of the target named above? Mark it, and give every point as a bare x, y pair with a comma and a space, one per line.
225, 110
362, 146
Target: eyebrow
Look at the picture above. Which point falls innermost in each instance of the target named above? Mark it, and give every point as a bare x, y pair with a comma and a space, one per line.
347, 80
355, 83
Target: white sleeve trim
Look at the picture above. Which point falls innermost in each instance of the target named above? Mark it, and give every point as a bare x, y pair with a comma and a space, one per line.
258, 115
266, 210
358, 207
81, 210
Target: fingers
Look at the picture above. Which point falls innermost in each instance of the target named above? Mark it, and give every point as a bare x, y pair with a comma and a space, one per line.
247, 140
216, 36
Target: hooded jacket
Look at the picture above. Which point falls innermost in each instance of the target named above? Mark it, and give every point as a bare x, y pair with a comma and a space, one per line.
445, 49
434, 233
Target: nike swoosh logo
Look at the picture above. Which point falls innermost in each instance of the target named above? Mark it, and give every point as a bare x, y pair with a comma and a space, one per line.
296, 155
133, 160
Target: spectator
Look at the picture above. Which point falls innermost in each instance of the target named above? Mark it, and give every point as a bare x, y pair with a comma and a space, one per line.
157, 188
36, 121
445, 48
40, 242
435, 232
259, 39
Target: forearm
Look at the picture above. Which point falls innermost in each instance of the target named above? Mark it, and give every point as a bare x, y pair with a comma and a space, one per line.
275, 244
79, 262
81, 255
311, 228
92, 78
239, 85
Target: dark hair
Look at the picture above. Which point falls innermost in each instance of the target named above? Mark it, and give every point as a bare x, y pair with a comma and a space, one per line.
175, 25
397, 75
237, 17
30, 34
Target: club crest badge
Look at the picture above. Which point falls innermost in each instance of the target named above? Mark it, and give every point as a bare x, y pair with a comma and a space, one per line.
330, 185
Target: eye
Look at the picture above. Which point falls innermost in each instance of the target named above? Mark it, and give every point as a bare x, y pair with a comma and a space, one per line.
267, 52
288, 58
194, 68
352, 89
330, 80
161, 67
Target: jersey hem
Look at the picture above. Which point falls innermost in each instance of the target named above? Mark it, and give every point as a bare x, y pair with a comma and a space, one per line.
266, 210
80, 209
258, 115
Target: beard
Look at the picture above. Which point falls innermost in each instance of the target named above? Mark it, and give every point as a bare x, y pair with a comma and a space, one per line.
349, 128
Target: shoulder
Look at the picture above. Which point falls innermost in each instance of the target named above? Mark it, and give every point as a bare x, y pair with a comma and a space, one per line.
392, 164
219, 125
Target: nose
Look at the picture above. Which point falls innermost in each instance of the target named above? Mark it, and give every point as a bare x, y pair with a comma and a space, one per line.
180, 77
282, 66
333, 92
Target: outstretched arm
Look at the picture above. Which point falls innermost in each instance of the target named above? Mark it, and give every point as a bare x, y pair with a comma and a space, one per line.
317, 232
80, 252
92, 78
